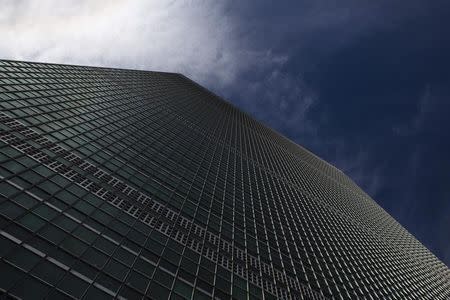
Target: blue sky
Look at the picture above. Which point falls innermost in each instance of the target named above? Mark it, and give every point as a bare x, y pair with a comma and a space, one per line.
364, 85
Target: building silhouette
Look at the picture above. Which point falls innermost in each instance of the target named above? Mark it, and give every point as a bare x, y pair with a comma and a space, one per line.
122, 183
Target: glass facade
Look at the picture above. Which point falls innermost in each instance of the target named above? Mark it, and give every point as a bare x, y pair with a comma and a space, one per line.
133, 184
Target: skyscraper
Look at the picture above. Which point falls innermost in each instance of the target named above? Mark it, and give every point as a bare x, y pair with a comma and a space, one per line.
122, 183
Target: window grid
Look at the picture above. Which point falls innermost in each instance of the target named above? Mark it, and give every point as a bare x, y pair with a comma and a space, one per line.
132, 183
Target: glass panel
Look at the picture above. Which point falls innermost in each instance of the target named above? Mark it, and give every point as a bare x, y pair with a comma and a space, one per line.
116, 269
95, 293
105, 245
73, 285
156, 291
74, 246
183, 289
48, 272
8, 275
10, 209
53, 234
23, 258
30, 288
137, 281
95, 257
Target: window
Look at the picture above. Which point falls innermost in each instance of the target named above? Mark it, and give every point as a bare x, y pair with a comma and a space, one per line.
52, 234
10, 210
144, 266
23, 258
95, 258
45, 212
116, 269
48, 272
25, 200
108, 282
163, 278
105, 245
137, 281
124, 256
74, 246
65, 223
29, 288
32, 222
85, 234
183, 289
9, 275
73, 285
157, 291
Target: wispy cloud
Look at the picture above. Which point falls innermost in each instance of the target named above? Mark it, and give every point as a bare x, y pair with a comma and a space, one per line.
425, 106
198, 39
279, 99
360, 163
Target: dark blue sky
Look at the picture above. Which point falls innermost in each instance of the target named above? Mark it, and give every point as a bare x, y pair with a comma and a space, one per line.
367, 88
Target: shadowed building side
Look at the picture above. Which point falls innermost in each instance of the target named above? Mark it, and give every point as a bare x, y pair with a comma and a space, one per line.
122, 183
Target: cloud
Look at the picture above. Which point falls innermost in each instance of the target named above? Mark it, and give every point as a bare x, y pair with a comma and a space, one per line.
197, 39
358, 161
280, 100
431, 114
417, 122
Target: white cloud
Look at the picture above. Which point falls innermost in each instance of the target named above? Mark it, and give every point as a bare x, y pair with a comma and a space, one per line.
417, 122
431, 113
197, 39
